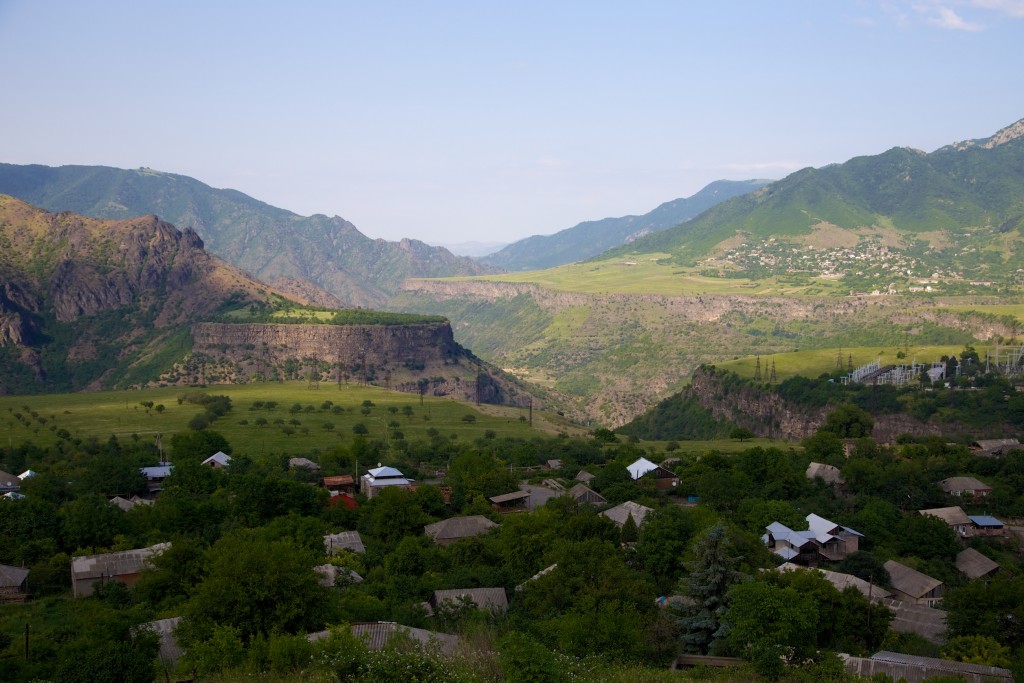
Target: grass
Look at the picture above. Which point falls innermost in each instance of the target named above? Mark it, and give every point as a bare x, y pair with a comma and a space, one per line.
814, 362
121, 413
647, 274
1015, 310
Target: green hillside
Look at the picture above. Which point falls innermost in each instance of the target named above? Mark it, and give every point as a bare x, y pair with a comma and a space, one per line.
590, 238
271, 243
960, 208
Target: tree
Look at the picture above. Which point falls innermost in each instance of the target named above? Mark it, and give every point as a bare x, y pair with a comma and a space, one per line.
982, 650
712, 573
848, 421
926, 537
257, 588
741, 434
770, 625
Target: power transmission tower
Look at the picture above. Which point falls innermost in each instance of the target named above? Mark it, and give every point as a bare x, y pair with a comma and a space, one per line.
839, 358
772, 379
757, 370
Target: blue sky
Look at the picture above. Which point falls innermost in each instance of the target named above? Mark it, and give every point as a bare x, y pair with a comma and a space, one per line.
458, 121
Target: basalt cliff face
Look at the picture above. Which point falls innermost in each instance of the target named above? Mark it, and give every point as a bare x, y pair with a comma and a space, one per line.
422, 358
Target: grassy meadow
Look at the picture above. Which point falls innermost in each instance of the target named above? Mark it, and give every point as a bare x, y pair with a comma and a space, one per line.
321, 425
1015, 310
814, 362
653, 274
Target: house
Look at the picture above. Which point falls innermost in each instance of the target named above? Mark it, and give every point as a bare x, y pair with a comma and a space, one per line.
994, 447
492, 599
127, 504
954, 517
892, 666
447, 531
843, 581
584, 476
304, 463
823, 540
974, 565
125, 566
907, 617
27, 474
510, 502
9, 482
827, 473
910, 585
959, 486
380, 477
553, 464
345, 540
342, 483
985, 525
663, 478
219, 460
376, 635
620, 513
13, 584
583, 494
332, 575
155, 476
170, 650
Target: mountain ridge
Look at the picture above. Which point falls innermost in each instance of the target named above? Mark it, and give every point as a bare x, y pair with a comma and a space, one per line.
269, 242
590, 238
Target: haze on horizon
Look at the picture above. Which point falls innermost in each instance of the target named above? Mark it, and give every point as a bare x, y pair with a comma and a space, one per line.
460, 121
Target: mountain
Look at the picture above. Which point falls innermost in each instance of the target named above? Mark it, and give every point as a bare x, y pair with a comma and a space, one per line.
86, 303
269, 242
473, 249
593, 237
960, 207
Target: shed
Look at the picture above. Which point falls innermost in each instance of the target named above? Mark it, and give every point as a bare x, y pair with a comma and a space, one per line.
510, 502
907, 617
13, 583
125, 566
974, 565
344, 540
448, 531
584, 476
332, 575
493, 599
170, 649
340, 483
843, 581
582, 493
910, 585
991, 447
985, 525
916, 669
553, 464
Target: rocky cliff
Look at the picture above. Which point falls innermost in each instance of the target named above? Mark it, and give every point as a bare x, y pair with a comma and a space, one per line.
415, 357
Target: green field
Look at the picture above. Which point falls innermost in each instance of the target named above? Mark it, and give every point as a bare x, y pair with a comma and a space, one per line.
121, 413
1015, 310
652, 274
814, 362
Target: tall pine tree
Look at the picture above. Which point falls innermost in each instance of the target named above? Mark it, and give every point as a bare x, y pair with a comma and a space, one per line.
712, 571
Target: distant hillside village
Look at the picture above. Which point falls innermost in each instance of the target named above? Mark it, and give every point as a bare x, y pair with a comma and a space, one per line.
904, 558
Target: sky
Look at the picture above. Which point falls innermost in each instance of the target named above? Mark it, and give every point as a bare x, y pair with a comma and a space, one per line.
452, 121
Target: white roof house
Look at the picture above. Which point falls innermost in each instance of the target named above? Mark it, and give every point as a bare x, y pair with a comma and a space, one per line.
159, 471
641, 467
823, 538
219, 460
381, 477
27, 474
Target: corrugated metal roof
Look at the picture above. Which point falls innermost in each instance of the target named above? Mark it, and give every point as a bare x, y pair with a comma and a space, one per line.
985, 521
620, 513
907, 617
953, 516
345, 540
114, 564
584, 476
944, 664
376, 634
452, 529
220, 458
304, 462
12, 577
951, 484
170, 650
641, 467
378, 472
506, 497
827, 473
974, 565
160, 471
493, 599
582, 491
910, 581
